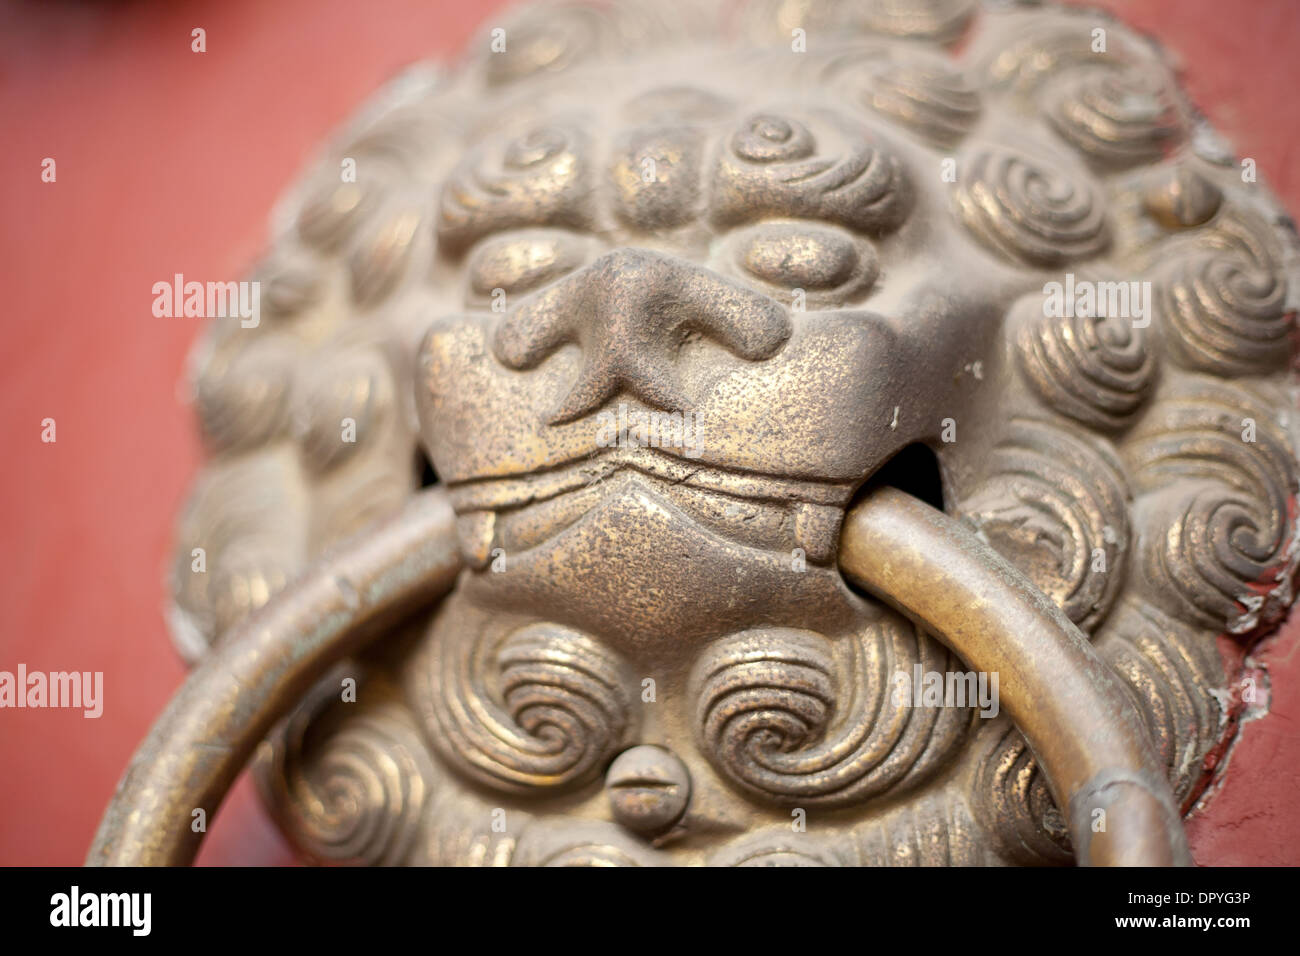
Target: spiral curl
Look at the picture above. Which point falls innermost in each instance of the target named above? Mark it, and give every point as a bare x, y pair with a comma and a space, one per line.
357, 387
1055, 504
1174, 673
939, 21
1223, 305
1117, 117
1017, 806
559, 706
1029, 212
249, 517
935, 829
540, 178
774, 166
1097, 370
349, 787
1217, 481
243, 396
937, 104
775, 720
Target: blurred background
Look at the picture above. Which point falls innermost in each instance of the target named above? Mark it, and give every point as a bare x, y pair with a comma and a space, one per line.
169, 162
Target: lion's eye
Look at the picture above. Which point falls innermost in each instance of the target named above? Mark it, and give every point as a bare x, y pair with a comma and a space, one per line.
522, 261
828, 263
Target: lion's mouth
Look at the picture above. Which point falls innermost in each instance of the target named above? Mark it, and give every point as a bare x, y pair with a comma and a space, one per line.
771, 512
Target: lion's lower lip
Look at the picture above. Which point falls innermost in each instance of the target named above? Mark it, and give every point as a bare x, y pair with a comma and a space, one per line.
497, 493
763, 511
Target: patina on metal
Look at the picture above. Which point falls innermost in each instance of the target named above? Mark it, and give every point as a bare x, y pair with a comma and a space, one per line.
778, 368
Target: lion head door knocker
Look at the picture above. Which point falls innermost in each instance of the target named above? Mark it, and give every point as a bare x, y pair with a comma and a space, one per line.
827, 433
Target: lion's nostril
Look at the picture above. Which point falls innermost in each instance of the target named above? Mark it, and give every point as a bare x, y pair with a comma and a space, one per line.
627, 311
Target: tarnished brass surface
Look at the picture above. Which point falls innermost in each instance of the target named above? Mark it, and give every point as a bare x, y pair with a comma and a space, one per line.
656, 293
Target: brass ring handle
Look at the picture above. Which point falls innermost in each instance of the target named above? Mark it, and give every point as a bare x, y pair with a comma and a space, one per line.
260, 669
1089, 741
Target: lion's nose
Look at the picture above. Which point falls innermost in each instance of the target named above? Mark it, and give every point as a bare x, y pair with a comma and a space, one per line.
629, 311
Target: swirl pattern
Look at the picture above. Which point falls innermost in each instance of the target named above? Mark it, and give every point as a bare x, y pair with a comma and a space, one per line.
353, 497
938, 20
557, 709
538, 179
355, 388
1223, 306
292, 283
460, 833
776, 720
936, 103
796, 196
1117, 117
1037, 48
1029, 212
335, 210
936, 829
1014, 799
349, 787
552, 37
1174, 673
1056, 505
369, 203
243, 397
384, 250
1097, 370
774, 166
780, 848
1216, 478
577, 845
248, 517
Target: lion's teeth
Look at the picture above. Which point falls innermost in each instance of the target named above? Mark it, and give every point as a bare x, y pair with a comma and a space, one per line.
816, 530
476, 531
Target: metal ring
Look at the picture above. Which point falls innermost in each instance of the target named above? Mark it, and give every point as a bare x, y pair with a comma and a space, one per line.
1089, 740
262, 668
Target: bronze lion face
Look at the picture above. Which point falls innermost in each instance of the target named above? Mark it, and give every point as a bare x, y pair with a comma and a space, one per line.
652, 300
